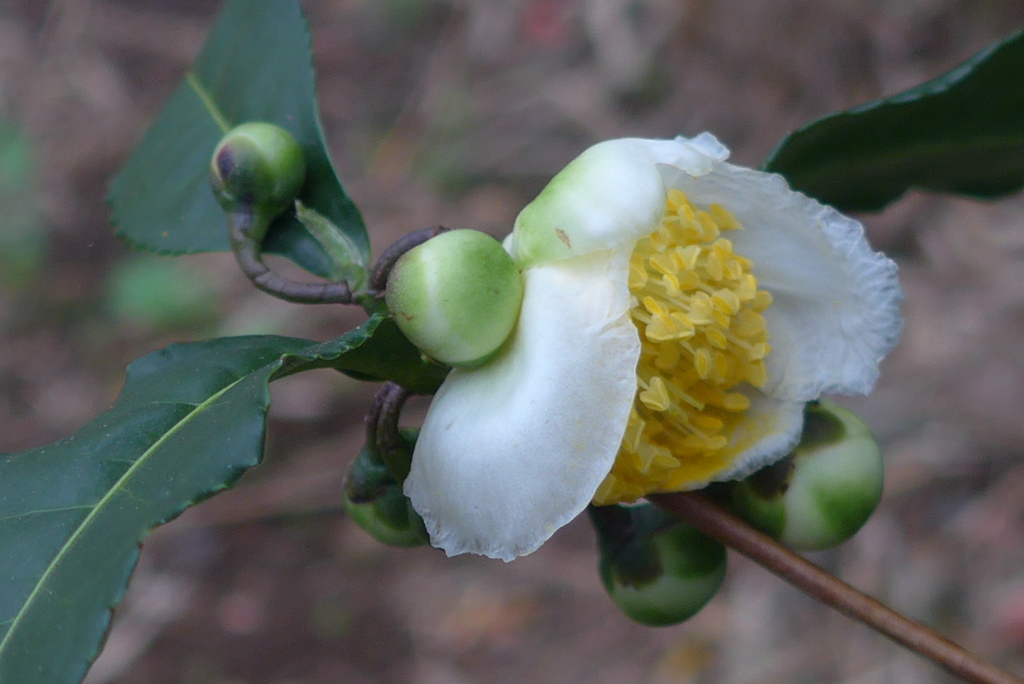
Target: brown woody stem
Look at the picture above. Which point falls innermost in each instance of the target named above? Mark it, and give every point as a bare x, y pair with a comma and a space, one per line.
382, 428
700, 512
249, 258
382, 269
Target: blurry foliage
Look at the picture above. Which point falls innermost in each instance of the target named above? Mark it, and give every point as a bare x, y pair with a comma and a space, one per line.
158, 293
23, 240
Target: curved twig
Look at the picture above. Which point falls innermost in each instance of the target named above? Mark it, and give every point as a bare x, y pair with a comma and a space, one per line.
382, 269
699, 511
382, 428
247, 254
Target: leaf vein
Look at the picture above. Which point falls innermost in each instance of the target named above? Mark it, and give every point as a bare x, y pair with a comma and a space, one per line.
207, 97
79, 531
41, 511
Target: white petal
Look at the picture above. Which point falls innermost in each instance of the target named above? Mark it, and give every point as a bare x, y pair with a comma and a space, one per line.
836, 302
770, 429
610, 196
511, 451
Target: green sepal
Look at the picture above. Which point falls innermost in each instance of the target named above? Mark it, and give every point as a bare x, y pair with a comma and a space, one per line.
657, 571
347, 261
822, 494
390, 519
367, 478
375, 469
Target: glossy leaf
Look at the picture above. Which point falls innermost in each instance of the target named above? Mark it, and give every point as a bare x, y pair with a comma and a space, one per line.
962, 132
190, 420
256, 66
392, 357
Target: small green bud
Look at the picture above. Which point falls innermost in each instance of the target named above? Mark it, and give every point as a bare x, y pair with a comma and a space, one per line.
390, 519
821, 494
257, 168
456, 297
657, 571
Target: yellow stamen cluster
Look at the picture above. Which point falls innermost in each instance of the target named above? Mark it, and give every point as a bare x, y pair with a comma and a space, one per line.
703, 339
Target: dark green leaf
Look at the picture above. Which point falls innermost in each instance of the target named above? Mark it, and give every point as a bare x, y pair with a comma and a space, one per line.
190, 420
256, 66
962, 132
391, 356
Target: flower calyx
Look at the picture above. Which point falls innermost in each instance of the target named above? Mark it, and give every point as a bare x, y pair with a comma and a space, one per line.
657, 571
372, 491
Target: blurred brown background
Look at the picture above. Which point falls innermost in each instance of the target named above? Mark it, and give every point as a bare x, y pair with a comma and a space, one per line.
457, 112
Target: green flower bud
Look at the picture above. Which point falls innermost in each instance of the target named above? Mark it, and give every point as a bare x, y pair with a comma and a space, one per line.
257, 168
456, 297
657, 571
390, 518
822, 493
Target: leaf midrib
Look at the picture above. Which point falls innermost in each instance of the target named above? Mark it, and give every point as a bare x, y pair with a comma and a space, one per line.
117, 487
206, 96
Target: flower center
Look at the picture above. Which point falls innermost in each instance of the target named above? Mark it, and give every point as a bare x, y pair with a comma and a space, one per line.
703, 342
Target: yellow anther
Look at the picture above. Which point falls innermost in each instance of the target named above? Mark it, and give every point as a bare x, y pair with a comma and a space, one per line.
708, 227
662, 263
703, 341
724, 218
683, 325
756, 374
722, 319
713, 265
748, 323
762, 300
747, 288
758, 351
709, 423
722, 247
723, 366
702, 362
726, 301
688, 256
652, 305
660, 329
688, 281
716, 338
733, 269
655, 397
735, 402
664, 459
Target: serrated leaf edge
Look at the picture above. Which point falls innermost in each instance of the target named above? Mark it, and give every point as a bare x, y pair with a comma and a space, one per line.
99, 505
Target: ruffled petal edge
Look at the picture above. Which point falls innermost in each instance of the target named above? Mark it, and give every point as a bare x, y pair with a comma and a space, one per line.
836, 311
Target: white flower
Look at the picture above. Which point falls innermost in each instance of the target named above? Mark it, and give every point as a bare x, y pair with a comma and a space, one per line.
678, 312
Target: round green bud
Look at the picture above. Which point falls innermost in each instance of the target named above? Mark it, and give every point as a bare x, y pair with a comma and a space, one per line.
666, 579
821, 494
390, 518
456, 297
257, 167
